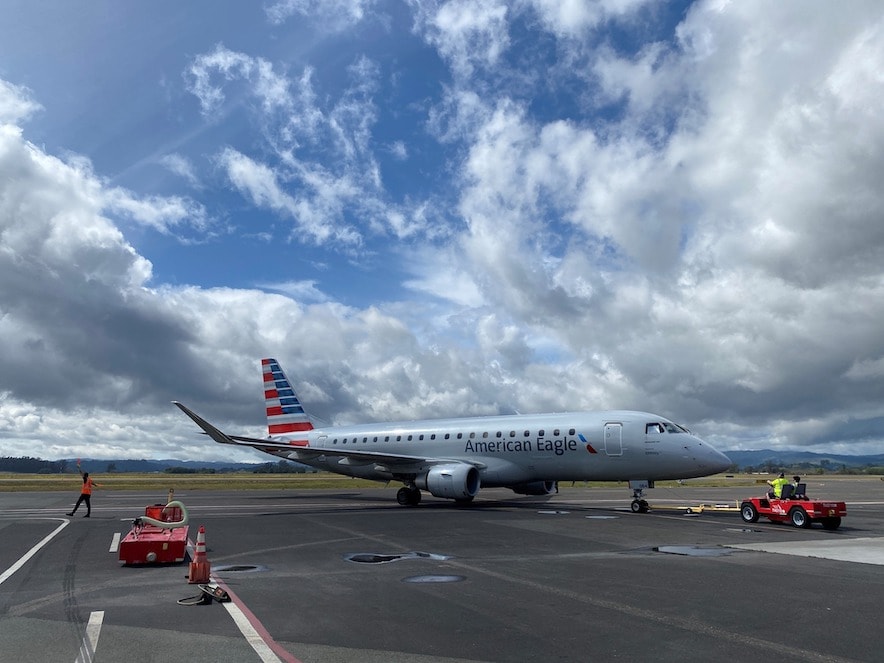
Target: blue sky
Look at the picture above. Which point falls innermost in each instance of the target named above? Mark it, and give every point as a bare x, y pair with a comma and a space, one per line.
440, 208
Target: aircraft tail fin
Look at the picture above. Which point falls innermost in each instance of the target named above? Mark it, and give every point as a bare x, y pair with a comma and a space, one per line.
284, 411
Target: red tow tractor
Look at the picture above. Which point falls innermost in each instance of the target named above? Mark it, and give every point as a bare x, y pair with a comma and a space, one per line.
799, 510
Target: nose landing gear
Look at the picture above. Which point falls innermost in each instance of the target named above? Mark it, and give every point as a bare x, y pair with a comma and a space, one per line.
639, 503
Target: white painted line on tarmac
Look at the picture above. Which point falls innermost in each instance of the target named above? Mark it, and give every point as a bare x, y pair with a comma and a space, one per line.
865, 551
253, 630
115, 543
33, 551
90, 640
264, 652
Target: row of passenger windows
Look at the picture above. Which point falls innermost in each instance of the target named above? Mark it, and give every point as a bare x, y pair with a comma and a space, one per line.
446, 436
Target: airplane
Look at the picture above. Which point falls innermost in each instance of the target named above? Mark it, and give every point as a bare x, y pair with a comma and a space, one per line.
453, 458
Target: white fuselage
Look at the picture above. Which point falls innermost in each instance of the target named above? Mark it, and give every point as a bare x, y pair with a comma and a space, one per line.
514, 449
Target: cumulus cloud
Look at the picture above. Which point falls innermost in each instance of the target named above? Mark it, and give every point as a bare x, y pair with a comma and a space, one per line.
16, 104
710, 251
698, 235
572, 18
467, 33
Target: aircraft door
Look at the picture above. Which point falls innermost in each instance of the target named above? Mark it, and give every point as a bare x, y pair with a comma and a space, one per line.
614, 439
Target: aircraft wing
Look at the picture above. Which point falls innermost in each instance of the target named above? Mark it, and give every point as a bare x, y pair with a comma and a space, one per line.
306, 453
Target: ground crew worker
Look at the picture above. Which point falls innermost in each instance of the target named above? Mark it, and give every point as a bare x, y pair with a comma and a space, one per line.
777, 486
85, 493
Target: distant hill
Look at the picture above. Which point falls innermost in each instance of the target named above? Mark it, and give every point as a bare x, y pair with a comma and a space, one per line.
123, 465
757, 458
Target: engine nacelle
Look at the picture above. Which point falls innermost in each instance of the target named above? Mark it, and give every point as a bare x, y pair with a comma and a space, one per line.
535, 488
458, 481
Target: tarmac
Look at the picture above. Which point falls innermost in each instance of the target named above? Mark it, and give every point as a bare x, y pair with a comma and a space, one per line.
319, 576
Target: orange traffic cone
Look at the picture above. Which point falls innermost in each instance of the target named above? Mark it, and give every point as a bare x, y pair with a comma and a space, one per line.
200, 569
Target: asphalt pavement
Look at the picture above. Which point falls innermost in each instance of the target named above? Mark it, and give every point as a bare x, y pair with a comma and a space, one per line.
325, 576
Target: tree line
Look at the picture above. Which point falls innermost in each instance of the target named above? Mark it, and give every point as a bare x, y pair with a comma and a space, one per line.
27, 465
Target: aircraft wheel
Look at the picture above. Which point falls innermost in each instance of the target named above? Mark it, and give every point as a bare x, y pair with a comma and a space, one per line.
748, 512
404, 497
415, 497
463, 501
798, 517
639, 506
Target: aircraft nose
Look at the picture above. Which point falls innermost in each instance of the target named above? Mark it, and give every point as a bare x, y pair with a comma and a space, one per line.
713, 458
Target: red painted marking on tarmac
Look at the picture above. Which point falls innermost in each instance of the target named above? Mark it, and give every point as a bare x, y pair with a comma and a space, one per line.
257, 625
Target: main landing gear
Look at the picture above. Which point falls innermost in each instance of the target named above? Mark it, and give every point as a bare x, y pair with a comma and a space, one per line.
639, 503
409, 496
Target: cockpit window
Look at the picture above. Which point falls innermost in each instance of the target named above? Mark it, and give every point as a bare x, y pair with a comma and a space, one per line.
657, 428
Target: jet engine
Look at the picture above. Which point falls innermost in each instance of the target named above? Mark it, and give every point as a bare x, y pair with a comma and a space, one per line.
459, 481
535, 488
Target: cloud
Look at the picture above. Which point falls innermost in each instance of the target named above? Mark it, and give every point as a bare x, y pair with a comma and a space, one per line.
333, 15
181, 166
695, 232
468, 34
303, 291
703, 252
16, 104
265, 84
323, 200
573, 18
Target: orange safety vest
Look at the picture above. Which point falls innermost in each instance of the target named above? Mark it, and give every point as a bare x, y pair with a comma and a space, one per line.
87, 487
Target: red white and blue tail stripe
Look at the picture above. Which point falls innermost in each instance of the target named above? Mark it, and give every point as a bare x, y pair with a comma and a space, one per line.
284, 412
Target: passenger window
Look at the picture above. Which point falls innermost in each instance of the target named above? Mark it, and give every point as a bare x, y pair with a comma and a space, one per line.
540, 433
572, 432
556, 432
498, 434
472, 435
460, 436
512, 433
386, 438
433, 436
375, 439
409, 438
527, 433
398, 438
485, 434
420, 437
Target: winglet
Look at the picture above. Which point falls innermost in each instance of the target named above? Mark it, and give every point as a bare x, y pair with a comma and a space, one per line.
211, 431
